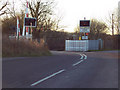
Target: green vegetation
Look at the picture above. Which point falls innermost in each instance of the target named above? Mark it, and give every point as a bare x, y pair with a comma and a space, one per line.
23, 48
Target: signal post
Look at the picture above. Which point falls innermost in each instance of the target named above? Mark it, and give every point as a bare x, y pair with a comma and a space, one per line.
85, 29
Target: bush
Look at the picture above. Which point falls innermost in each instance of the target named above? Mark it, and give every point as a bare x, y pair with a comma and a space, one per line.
17, 48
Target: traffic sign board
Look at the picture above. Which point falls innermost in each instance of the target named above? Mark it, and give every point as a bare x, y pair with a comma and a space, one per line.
30, 22
85, 26
84, 23
85, 29
84, 37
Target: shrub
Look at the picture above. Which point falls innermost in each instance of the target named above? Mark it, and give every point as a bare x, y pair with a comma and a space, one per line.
23, 47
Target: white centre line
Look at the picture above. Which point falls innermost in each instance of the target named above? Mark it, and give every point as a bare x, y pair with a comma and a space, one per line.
47, 77
85, 56
77, 63
81, 56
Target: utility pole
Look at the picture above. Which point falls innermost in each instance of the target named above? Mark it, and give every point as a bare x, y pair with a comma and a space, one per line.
112, 24
84, 32
113, 30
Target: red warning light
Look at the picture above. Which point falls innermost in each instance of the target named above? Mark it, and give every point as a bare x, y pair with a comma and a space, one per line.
87, 34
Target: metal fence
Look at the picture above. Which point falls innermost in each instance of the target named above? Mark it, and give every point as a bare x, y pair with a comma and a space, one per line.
94, 45
82, 45
76, 45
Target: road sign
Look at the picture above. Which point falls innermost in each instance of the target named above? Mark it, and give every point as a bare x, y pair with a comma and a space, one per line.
85, 26
84, 23
30, 22
85, 37
85, 29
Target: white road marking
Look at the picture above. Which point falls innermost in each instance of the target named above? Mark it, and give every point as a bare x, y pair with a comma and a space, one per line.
77, 63
85, 56
81, 56
47, 77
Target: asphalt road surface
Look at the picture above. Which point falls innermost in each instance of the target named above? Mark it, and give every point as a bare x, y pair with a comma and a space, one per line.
62, 70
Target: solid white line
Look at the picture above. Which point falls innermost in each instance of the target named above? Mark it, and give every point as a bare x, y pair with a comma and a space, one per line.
77, 63
81, 56
47, 78
85, 56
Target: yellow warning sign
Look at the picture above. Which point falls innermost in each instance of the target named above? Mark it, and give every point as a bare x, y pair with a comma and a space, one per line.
79, 38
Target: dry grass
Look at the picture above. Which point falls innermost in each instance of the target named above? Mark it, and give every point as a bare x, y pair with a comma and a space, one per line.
17, 48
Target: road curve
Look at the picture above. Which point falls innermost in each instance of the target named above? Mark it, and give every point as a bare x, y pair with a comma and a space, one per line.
62, 70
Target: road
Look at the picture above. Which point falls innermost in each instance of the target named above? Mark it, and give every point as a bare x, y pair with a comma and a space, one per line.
62, 70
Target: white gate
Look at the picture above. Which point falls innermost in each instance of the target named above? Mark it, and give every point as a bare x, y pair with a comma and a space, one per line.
76, 45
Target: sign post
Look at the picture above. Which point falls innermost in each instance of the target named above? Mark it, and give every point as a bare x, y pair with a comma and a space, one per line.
85, 28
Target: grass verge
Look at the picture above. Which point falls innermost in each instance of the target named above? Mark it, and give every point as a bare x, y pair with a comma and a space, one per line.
104, 50
23, 48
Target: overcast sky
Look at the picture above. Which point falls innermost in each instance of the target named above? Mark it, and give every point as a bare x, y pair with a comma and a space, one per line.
75, 10
72, 11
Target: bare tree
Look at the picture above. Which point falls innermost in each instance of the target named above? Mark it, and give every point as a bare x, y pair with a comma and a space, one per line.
41, 11
116, 21
109, 21
2, 9
77, 29
11, 9
97, 28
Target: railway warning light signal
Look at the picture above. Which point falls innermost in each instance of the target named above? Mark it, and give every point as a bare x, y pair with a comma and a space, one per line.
87, 34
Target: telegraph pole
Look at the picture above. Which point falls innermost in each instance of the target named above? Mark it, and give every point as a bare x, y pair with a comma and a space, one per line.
112, 30
84, 32
112, 24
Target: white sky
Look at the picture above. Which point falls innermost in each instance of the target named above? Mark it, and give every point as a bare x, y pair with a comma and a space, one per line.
72, 11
